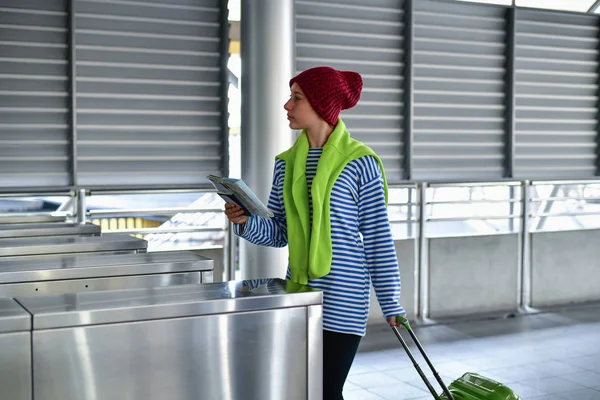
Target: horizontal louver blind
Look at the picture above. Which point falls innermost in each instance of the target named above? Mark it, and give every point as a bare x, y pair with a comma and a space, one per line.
556, 94
459, 91
364, 36
34, 114
148, 92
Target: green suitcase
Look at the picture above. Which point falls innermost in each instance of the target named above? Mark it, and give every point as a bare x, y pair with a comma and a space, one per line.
470, 386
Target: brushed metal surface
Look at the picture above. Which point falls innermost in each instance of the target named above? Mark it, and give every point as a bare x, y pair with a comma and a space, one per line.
208, 276
94, 308
76, 287
92, 259
15, 366
250, 356
315, 352
48, 229
63, 267
67, 244
39, 257
30, 218
13, 318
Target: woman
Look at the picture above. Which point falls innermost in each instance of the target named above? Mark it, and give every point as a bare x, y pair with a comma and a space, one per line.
328, 190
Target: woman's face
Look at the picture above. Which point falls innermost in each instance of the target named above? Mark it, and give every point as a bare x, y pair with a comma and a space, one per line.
299, 111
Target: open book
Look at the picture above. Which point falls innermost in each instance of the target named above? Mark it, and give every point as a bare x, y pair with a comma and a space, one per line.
236, 191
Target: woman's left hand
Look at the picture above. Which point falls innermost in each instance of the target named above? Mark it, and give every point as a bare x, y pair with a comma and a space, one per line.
393, 321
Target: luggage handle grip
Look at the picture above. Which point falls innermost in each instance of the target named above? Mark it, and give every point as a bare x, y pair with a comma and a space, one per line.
404, 322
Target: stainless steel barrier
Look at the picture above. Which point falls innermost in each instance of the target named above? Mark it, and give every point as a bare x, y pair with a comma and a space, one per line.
48, 229
15, 351
30, 218
94, 272
47, 245
231, 340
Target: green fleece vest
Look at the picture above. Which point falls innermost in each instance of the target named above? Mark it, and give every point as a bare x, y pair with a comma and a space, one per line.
310, 248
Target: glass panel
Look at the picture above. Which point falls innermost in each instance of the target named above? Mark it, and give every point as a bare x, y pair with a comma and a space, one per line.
21, 205
484, 209
560, 207
403, 212
180, 230
235, 10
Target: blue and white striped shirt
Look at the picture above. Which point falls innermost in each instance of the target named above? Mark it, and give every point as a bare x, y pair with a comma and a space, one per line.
357, 208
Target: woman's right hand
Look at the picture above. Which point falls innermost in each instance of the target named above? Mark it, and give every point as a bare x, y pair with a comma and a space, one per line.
235, 213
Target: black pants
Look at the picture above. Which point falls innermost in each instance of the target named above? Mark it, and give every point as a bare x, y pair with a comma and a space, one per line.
339, 350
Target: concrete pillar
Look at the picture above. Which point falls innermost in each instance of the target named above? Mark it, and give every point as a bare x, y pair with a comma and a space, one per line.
267, 51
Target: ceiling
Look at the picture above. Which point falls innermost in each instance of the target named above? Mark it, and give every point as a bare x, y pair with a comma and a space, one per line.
564, 5
592, 6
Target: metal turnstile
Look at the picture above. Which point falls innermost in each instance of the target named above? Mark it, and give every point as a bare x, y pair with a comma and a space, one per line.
15, 351
46, 245
48, 229
96, 272
231, 340
15, 218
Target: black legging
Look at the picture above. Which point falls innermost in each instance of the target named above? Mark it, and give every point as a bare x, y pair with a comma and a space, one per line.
339, 350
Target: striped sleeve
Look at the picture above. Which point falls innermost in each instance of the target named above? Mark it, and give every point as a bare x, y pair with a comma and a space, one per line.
268, 231
253, 284
374, 226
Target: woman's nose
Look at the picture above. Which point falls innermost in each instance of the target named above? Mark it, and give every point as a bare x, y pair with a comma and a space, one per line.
287, 105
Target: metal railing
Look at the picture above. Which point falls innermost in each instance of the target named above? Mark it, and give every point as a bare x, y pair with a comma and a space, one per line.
415, 205
75, 208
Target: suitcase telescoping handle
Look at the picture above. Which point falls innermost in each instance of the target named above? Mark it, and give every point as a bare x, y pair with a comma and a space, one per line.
405, 323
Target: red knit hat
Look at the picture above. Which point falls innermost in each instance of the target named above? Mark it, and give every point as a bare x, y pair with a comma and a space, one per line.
329, 91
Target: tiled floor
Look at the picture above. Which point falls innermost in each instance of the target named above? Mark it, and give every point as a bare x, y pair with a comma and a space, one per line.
550, 356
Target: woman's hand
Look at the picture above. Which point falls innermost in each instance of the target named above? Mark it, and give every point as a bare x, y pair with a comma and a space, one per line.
235, 213
393, 321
